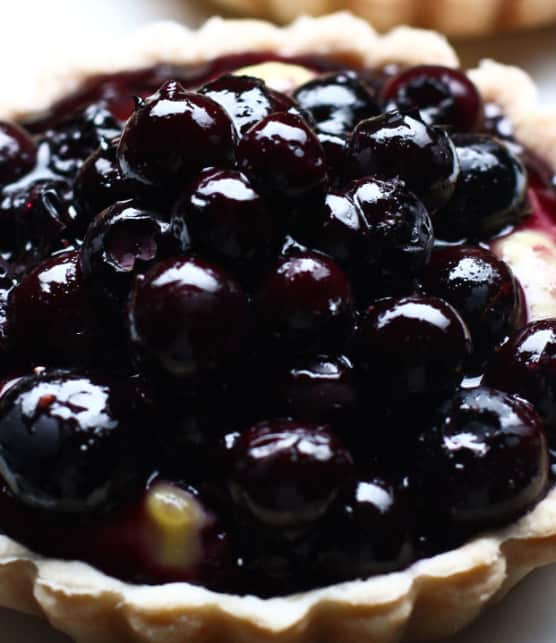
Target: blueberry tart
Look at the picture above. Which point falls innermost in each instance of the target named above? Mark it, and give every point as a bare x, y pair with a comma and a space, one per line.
277, 336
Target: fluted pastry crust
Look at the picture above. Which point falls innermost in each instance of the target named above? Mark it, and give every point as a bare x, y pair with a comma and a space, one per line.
452, 17
433, 598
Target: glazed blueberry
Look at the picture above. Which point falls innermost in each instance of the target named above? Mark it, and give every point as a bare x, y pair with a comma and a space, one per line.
306, 302
78, 136
370, 532
443, 96
283, 158
125, 241
398, 234
483, 290
337, 102
317, 388
173, 135
401, 145
228, 219
336, 154
485, 462
337, 228
68, 442
286, 474
378, 230
413, 346
247, 100
526, 365
51, 318
36, 218
7, 284
189, 316
18, 152
490, 193
99, 184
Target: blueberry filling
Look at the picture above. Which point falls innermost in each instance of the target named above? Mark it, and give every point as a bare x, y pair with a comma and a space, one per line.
257, 341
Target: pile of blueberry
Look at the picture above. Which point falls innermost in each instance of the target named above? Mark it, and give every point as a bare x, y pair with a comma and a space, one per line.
284, 305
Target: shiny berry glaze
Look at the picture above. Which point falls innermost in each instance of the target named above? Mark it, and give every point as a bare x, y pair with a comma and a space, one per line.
526, 365
229, 220
18, 152
481, 431
337, 102
99, 184
189, 316
401, 145
306, 302
413, 346
247, 100
283, 158
63, 437
174, 134
443, 96
125, 241
51, 317
483, 290
490, 193
318, 389
307, 460
266, 367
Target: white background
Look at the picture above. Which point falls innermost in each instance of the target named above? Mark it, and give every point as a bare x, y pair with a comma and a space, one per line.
33, 30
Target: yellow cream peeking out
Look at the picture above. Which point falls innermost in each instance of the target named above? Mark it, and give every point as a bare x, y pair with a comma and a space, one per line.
176, 520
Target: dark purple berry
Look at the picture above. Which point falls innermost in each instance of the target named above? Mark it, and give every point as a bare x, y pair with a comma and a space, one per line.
124, 241
336, 154
397, 234
526, 365
68, 442
317, 389
414, 346
370, 532
283, 158
485, 462
337, 228
7, 284
306, 302
401, 145
51, 317
228, 219
18, 152
173, 135
247, 100
337, 102
189, 316
482, 288
36, 218
99, 184
379, 231
490, 193
286, 474
443, 96
78, 136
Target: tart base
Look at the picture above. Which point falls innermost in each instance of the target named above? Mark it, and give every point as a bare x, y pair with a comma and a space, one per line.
433, 598
453, 17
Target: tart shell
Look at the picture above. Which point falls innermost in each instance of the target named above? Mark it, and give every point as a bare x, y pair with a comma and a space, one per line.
433, 598
453, 17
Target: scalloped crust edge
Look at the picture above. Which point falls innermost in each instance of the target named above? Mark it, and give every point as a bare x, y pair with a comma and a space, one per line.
435, 597
454, 17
